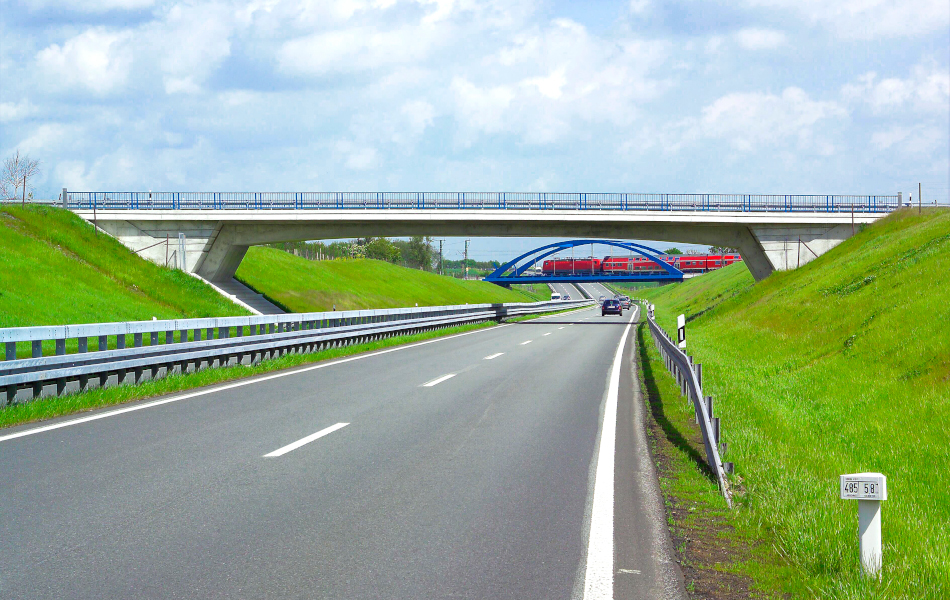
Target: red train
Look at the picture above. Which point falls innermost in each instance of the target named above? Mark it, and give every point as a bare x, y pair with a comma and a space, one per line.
620, 265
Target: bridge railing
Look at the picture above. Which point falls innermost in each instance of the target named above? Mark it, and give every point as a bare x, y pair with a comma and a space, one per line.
478, 201
56, 360
689, 377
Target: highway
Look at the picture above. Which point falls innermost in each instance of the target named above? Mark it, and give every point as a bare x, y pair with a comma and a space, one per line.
509, 462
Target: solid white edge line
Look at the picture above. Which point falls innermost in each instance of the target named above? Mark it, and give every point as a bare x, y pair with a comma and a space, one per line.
251, 381
438, 380
525, 343
599, 577
493, 356
304, 441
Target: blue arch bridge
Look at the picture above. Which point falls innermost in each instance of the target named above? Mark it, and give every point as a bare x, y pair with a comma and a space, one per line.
518, 270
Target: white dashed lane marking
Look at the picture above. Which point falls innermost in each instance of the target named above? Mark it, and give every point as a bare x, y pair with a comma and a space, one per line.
305, 441
438, 380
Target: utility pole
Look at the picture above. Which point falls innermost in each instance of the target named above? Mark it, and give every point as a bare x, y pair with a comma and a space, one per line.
441, 271
919, 198
465, 262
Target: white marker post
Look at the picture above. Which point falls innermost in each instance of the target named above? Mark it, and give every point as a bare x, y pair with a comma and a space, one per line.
868, 489
681, 330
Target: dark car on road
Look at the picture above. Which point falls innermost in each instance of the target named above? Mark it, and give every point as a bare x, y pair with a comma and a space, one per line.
611, 307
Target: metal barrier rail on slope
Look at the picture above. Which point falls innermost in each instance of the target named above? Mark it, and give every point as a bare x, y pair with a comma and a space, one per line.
689, 377
879, 203
240, 340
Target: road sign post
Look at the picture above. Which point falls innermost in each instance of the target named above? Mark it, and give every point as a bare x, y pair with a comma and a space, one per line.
681, 330
869, 489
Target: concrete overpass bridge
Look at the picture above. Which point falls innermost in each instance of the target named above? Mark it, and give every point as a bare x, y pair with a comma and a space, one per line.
208, 233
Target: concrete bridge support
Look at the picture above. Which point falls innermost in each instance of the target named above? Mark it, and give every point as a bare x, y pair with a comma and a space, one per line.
212, 243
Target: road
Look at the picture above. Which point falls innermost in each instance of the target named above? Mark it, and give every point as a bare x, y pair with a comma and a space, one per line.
509, 462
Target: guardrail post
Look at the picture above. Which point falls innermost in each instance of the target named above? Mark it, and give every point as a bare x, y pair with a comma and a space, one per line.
10, 351
102, 343
83, 345
120, 341
37, 348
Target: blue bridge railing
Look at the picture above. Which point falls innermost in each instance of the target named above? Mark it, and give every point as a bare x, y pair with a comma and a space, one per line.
478, 201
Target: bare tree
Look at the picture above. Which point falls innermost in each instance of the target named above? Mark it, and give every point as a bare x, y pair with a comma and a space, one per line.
17, 173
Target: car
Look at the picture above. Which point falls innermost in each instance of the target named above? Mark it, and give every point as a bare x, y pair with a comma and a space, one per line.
601, 299
567, 296
612, 307
555, 296
625, 301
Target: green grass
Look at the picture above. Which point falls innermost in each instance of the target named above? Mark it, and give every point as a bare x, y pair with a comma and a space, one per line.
301, 285
55, 270
840, 366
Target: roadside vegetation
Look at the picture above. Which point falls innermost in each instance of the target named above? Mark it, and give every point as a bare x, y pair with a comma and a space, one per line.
840, 366
55, 270
301, 285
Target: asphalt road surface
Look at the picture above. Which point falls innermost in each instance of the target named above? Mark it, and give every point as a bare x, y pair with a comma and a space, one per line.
509, 462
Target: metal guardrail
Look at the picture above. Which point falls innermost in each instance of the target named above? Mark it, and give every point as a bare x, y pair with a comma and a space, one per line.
689, 376
479, 200
240, 340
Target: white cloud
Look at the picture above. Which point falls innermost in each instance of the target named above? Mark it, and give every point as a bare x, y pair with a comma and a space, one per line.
639, 7
191, 40
760, 39
97, 59
748, 121
357, 157
926, 89
865, 19
917, 140
357, 49
554, 81
419, 115
90, 6
10, 111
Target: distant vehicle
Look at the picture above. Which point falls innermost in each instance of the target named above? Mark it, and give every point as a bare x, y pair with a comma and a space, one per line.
625, 301
567, 296
601, 299
555, 296
611, 307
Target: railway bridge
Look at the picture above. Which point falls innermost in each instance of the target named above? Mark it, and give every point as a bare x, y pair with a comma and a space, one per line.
208, 233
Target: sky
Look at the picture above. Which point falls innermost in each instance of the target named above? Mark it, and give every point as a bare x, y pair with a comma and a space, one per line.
746, 96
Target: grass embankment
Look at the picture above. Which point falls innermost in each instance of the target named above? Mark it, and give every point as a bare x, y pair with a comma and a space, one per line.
301, 285
55, 270
840, 366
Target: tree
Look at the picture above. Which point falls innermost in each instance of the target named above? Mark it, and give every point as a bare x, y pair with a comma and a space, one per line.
382, 249
18, 171
417, 253
722, 250
673, 251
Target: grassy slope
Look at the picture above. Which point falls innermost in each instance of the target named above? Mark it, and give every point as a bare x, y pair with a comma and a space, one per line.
54, 270
841, 366
301, 285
